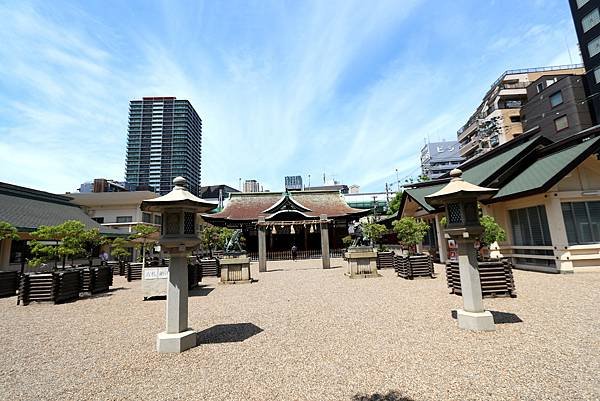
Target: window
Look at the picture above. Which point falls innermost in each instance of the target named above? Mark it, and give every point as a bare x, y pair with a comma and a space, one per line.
581, 3
146, 217
157, 219
561, 123
597, 75
594, 47
530, 226
539, 87
98, 220
515, 119
582, 222
124, 219
556, 99
550, 81
590, 20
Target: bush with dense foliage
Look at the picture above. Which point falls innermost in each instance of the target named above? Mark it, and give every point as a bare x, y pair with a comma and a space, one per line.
410, 232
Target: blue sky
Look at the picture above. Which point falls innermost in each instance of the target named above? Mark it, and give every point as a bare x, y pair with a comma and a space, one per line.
349, 89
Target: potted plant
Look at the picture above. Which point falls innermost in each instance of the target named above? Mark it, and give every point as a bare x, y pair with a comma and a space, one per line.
119, 251
411, 232
374, 232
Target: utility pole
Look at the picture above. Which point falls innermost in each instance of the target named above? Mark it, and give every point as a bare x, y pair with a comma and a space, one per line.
309, 181
398, 180
374, 208
387, 194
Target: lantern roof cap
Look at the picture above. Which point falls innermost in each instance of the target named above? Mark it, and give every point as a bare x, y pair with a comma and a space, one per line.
179, 196
459, 188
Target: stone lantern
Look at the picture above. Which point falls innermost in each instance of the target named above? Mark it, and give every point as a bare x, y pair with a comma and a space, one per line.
460, 201
178, 237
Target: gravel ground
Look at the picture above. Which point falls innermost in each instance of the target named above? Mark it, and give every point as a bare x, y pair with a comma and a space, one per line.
303, 333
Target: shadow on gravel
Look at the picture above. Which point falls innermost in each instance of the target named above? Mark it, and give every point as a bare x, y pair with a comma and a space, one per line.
500, 317
200, 291
390, 396
505, 317
228, 333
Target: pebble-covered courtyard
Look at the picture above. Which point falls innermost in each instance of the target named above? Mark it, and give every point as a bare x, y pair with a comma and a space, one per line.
303, 333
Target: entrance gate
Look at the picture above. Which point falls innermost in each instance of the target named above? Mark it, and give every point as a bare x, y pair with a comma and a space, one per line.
263, 225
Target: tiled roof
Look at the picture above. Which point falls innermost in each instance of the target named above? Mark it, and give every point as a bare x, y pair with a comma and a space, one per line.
524, 168
248, 206
27, 209
542, 171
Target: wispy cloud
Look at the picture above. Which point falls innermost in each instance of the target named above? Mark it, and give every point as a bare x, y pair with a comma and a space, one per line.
346, 88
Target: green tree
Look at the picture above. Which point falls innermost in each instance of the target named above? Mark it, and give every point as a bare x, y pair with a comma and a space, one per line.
8, 231
347, 241
143, 232
492, 231
118, 249
394, 205
410, 232
90, 239
213, 237
374, 232
70, 242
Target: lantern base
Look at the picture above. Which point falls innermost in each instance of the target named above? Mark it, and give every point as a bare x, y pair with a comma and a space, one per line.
475, 321
175, 343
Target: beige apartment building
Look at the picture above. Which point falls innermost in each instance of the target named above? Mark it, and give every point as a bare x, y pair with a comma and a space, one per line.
497, 119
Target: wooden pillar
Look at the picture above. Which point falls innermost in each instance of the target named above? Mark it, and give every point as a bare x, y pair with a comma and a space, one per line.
325, 241
262, 245
441, 239
558, 233
5, 246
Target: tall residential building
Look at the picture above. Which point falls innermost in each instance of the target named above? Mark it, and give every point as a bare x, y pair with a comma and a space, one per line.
497, 119
164, 141
557, 105
586, 16
252, 186
293, 183
438, 158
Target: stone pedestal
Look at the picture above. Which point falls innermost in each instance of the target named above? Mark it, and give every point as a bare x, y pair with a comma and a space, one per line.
174, 343
476, 321
235, 270
362, 262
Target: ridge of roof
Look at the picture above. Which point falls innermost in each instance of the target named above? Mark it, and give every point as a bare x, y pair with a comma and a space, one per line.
34, 194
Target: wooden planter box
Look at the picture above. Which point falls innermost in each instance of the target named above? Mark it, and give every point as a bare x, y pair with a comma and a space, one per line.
50, 287
117, 268
194, 275
133, 271
210, 267
496, 278
414, 266
385, 260
9, 283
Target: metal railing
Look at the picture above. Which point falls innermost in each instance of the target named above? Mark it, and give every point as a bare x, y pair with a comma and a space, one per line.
302, 255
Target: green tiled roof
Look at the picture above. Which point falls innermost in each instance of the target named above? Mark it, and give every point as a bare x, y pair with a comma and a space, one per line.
28, 209
543, 170
480, 172
419, 194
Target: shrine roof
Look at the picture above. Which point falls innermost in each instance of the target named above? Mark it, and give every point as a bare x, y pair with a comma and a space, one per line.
248, 206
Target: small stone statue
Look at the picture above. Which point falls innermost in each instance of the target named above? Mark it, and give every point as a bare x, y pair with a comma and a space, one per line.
359, 237
233, 244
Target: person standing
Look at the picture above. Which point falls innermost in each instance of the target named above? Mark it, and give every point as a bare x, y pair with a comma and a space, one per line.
294, 252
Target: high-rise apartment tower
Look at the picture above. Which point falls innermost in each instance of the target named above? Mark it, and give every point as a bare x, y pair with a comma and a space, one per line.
164, 141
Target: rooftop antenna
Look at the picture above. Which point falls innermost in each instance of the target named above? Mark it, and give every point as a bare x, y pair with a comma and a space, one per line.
568, 50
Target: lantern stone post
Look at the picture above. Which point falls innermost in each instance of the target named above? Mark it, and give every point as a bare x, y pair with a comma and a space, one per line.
460, 200
179, 236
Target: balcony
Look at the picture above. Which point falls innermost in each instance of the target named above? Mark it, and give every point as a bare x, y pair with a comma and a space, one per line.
468, 148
